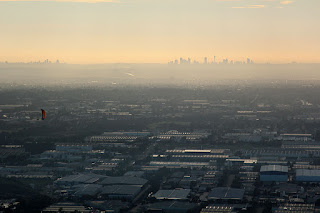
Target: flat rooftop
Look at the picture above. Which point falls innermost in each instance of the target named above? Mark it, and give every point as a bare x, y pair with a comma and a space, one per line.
175, 194
308, 172
274, 168
226, 193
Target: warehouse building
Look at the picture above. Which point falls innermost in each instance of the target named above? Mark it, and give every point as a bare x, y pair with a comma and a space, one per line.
177, 136
86, 189
172, 206
295, 137
118, 136
66, 207
79, 179
124, 180
226, 193
306, 175
175, 194
179, 164
274, 173
120, 192
224, 208
294, 208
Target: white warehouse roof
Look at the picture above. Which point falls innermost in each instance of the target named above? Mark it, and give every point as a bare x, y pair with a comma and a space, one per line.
308, 172
274, 168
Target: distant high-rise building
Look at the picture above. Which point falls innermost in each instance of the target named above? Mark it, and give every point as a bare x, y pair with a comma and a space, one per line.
205, 60
176, 61
183, 61
214, 59
189, 61
225, 61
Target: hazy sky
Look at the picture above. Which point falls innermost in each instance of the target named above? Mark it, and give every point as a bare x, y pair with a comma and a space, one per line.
102, 31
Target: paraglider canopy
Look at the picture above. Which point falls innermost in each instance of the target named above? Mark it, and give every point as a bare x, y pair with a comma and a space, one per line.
43, 114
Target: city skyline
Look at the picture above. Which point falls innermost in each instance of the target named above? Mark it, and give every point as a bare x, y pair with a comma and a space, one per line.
141, 31
159, 106
212, 60
198, 61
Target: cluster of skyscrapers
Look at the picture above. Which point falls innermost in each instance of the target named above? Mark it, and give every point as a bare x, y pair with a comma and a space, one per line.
46, 61
188, 61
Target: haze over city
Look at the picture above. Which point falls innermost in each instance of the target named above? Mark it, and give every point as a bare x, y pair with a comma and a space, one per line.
159, 106
158, 31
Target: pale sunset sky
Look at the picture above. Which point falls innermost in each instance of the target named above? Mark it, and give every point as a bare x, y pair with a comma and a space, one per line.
146, 31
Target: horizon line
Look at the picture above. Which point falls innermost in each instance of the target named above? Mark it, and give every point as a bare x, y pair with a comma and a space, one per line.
159, 63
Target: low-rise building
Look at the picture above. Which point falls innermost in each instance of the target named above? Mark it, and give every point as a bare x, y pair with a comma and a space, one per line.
306, 175
66, 207
172, 207
175, 194
120, 192
124, 180
79, 179
226, 193
274, 173
294, 208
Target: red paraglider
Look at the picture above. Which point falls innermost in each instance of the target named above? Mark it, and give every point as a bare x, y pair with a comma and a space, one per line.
43, 114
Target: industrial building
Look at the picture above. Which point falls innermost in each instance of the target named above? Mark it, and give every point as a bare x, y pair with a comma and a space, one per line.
274, 173
224, 208
295, 137
120, 192
175, 194
226, 193
282, 152
294, 208
179, 164
86, 189
303, 145
66, 207
118, 136
124, 180
172, 206
79, 179
177, 136
306, 175
198, 151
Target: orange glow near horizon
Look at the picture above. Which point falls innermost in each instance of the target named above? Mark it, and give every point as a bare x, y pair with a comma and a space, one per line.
141, 31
